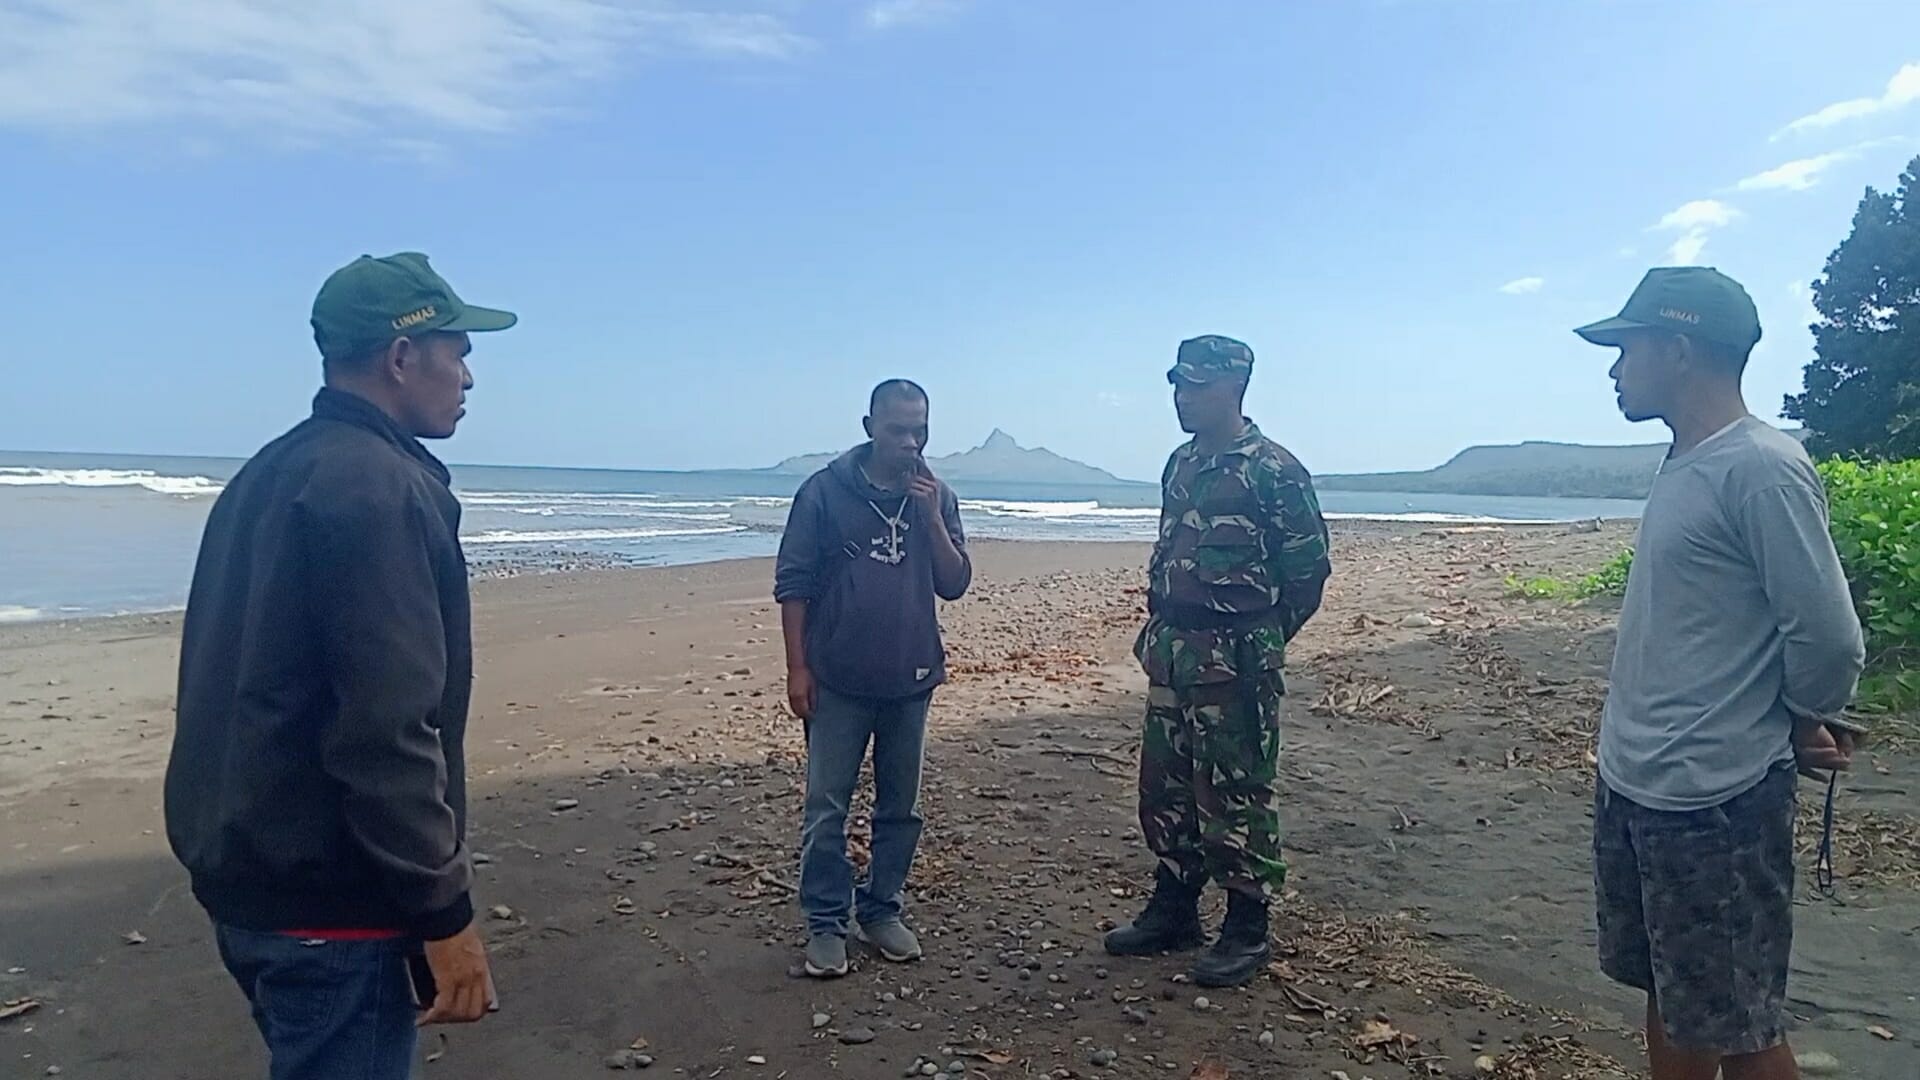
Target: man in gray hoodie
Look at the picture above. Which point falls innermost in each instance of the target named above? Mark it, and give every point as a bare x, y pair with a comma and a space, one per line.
871, 540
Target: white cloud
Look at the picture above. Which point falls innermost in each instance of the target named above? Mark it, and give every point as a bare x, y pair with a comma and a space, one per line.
890, 14
1902, 90
1700, 214
1694, 221
1796, 175
403, 73
1686, 251
1110, 399
1523, 286
1804, 173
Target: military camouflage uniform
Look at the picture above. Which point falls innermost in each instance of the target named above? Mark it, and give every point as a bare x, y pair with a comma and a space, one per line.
1237, 571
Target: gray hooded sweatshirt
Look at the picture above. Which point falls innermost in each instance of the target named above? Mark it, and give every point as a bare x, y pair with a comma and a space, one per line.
862, 559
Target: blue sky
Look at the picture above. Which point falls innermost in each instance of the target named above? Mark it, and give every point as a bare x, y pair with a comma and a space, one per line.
723, 220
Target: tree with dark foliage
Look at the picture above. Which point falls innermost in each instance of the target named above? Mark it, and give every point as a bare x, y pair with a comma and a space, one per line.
1862, 394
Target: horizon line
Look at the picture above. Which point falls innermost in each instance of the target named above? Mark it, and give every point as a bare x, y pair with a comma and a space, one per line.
773, 470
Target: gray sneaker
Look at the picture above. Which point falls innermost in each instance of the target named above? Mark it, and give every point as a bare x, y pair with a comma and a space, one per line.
892, 938
827, 956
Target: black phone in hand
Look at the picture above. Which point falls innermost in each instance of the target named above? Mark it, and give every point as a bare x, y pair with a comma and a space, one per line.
425, 990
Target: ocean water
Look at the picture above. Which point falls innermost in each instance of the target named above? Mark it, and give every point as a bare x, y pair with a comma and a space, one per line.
92, 535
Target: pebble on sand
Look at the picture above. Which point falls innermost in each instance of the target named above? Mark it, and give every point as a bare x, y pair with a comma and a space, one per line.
821, 1020
857, 1036
502, 912
561, 805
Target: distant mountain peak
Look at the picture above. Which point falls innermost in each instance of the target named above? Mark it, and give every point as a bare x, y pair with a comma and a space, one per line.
1001, 459
1535, 468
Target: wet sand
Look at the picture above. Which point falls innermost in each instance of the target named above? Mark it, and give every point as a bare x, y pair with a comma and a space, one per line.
1438, 921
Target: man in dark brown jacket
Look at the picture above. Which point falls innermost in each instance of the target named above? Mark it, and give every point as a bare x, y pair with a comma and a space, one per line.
317, 787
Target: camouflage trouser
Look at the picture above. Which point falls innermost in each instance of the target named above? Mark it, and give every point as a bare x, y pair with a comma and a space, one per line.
1209, 797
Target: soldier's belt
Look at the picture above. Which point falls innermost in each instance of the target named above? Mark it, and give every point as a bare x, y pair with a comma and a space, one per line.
1191, 617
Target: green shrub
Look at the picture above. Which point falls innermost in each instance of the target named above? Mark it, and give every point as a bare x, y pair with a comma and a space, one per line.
1609, 580
1540, 588
1876, 527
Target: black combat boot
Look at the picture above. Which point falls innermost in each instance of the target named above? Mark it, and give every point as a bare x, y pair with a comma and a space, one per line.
1241, 950
1170, 923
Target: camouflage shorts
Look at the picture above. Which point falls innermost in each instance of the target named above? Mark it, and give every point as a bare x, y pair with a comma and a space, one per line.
1697, 909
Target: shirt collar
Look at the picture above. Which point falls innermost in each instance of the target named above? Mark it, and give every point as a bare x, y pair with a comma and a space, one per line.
1244, 446
331, 404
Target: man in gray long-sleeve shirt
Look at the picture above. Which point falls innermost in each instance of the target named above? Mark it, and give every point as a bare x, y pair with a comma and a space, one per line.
1738, 639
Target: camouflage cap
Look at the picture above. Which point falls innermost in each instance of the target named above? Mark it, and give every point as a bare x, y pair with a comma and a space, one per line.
1210, 358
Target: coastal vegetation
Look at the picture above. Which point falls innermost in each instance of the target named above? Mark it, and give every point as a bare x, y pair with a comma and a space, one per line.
1861, 404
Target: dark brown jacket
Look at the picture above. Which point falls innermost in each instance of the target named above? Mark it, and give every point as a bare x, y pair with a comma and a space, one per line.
318, 778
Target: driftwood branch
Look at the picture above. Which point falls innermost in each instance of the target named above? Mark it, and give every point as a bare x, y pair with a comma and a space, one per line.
1097, 755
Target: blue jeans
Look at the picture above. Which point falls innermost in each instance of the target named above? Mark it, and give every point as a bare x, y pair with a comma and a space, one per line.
837, 739
329, 1010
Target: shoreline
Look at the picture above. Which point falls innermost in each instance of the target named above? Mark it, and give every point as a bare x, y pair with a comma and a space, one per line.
491, 568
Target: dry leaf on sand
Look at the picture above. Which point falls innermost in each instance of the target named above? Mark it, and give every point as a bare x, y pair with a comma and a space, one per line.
1378, 1033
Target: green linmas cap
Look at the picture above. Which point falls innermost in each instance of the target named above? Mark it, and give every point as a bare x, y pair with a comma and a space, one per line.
369, 302
1695, 300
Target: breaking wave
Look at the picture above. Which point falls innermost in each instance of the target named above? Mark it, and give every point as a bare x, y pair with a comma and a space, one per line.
1055, 511
185, 487
575, 536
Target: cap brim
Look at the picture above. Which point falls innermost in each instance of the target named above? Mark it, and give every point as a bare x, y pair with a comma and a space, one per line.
1608, 331
479, 320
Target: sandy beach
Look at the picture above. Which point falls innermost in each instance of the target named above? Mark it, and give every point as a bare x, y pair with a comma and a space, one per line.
636, 792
